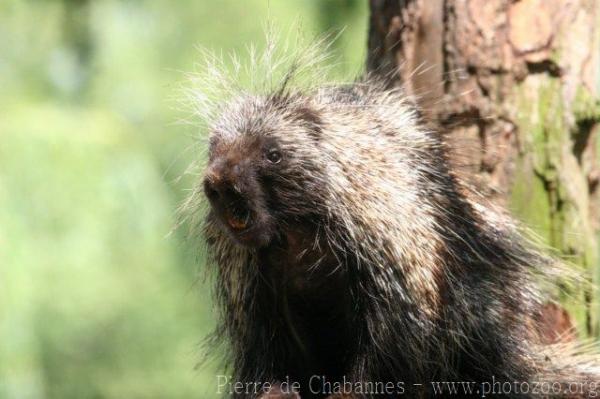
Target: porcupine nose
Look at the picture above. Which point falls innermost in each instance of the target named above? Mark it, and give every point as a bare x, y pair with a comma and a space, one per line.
212, 188
222, 188
216, 186
221, 181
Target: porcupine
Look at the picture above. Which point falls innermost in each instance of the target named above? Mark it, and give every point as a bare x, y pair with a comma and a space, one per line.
345, 246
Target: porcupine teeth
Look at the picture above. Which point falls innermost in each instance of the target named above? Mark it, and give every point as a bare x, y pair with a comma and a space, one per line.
238, 219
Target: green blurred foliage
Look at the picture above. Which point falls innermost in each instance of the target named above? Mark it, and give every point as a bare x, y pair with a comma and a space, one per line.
97, 298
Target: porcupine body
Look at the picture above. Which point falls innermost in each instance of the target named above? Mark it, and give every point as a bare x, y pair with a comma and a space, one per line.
344, 247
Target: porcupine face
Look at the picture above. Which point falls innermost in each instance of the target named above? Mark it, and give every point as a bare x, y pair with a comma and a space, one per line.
255, 178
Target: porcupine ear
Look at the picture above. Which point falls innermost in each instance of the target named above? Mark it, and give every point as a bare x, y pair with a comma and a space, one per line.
302, 112
311, 119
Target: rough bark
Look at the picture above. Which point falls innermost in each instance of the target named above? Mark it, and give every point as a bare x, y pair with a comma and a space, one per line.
518, 82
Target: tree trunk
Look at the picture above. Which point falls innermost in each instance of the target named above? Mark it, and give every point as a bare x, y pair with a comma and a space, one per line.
519, 81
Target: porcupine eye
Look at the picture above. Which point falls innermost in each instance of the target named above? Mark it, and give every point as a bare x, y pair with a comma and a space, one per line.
273, 156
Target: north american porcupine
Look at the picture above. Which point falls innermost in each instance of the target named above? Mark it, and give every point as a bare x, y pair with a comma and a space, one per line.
345, 247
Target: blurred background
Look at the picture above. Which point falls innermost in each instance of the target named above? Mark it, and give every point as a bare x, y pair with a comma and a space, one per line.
97, 298
101, 297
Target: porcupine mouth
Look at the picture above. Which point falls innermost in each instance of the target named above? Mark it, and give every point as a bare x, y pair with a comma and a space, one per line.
238, 217
231, 207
